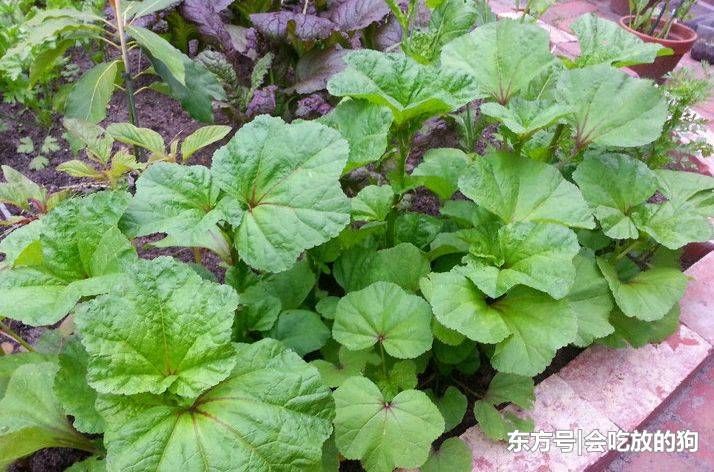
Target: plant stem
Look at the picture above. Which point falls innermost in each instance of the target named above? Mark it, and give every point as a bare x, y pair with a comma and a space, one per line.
384, 362
10, 333
128, 80
627, 249
554, 140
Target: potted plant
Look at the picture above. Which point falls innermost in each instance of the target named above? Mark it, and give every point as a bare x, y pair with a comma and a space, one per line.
660, 22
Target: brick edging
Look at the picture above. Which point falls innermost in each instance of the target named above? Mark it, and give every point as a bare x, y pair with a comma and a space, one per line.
609, 389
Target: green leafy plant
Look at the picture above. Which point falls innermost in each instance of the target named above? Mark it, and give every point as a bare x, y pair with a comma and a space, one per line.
348, 326
59, 29
656, 18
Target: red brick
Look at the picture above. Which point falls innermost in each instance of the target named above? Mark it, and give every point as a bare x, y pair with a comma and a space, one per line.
698, 302
628, 384
571, 9
557, 407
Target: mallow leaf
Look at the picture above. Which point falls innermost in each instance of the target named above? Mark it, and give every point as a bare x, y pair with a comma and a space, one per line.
590, 300
538, 255
32, 416
604, 42
614, 184
373, 203
502, 57
521, 189
452, 406
685, 216
365, 126
403, 264
301, 330
525, 117
76, 396
80, 253
349, 364
440, 170
386, 314
454, 455
504, 388
164, 329
271, 414
637, 333
183, 202
410, 90
527, 326
648, 295
374, 430
285, 177
610, 108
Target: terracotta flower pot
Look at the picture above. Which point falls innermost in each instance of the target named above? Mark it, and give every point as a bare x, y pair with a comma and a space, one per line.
680, 40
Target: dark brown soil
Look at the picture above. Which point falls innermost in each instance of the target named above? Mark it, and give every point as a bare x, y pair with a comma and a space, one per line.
49, 460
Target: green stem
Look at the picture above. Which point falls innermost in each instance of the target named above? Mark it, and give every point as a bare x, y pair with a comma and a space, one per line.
10, 333
552, 146
627, 250
128, 80
384, 361
403, 141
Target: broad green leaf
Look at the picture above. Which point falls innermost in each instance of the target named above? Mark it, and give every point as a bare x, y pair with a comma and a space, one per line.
440, 170
32, 417
538, 255
327, 307
271, 413
410, 90
524, 117
647, 296
611, 108
285, 176
159, 48
685, 216
10, 363
417, 228
18, 190
539, 326
403, 264
143, 137
80, 253
384, 313
521, 189
454, 455
166, 301
183, 202
349, 364
459, 305
590, 300
373, 430
638, 333
502, 57
452, 406
90, 95
451, 19
401, 376
373, 203
258, 310
14, 244
365, 126
509, 388
602, 41
614, 184
197, 94
75, 395
201, 138
496, 425
301, 330
528, 326
293, 285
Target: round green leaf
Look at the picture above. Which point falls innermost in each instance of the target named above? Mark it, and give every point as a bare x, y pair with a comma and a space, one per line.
384, 313
375, 431
271, 414
454, 455
285, 177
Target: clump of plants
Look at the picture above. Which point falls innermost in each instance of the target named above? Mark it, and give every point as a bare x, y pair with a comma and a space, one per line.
354, 328
656, 18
